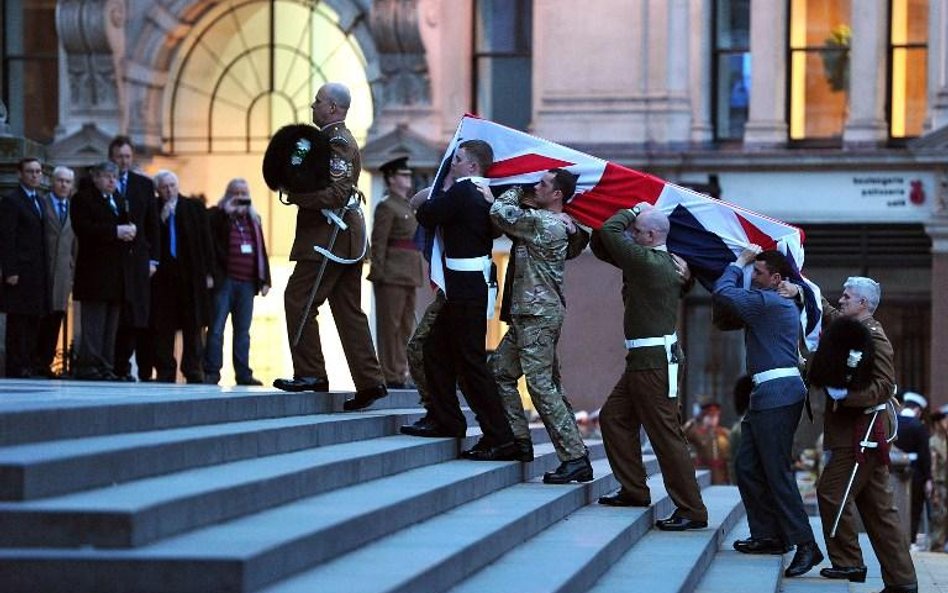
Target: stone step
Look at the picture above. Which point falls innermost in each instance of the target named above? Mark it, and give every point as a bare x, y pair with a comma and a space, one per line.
573, 553
435, 554
36, 470
674, 562
82, 409
249, 552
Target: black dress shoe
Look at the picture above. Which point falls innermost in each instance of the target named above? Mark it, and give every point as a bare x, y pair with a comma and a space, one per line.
624, 499
431, 430
808, 555
504, 452
365, 398
525, 449
574, 470
250, 381
761, 545
298, 384
678, 523
853, 574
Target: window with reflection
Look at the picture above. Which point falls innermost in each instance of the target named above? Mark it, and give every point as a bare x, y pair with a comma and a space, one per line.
820, 35
908, 62
731, 68
30, 68
503, 72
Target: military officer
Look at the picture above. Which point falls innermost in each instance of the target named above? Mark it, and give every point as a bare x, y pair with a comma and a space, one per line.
710, 441
397, 271
341, 283
537, 309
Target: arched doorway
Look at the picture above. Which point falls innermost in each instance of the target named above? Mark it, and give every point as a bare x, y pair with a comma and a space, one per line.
244, 69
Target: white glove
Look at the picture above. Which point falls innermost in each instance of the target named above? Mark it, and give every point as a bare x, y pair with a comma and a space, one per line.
837, 393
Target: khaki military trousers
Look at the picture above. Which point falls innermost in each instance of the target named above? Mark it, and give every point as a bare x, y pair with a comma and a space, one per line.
640, 399
395, 319
529, 349
341, 285
873, 499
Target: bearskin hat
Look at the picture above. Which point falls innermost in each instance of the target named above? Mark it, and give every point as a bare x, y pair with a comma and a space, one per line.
844, 357
297, 160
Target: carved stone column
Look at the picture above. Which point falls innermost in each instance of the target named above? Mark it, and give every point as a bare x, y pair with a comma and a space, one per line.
92, 33
867, 82
767, 119
404, 71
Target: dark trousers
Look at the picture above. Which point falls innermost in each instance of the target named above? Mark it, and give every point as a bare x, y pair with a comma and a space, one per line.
872, 496
20, 344
916, 504
455, 351
99, 323
765, 476
47, 338
640, 399
341, 285
141, 342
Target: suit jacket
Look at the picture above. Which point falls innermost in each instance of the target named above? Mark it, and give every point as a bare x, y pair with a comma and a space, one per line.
194, 261
312, 227
395, 258
220, 237
60, 253
143, 212
101, 257
23, 254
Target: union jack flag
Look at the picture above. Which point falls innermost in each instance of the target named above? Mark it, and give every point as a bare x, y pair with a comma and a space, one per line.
705, 232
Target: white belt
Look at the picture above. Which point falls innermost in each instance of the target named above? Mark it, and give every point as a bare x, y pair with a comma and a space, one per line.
482, 264
668, 342
772, 374
467, 264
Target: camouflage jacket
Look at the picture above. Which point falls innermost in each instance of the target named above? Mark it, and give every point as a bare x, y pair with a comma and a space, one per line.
540, 254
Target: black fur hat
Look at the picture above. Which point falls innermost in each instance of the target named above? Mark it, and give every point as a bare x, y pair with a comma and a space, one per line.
297, 160
844, 357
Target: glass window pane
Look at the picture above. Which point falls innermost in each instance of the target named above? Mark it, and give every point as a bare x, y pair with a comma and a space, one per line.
818, 97
733, 24
909, 98
504, 90
503, 26
909, 22
733, 95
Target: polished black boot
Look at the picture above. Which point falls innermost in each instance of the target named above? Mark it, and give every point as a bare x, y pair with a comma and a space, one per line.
853, 574
808, 555
761, 545
482, 452
574, 470
624, 499
678, 523
525, 449
298, 384
365, 398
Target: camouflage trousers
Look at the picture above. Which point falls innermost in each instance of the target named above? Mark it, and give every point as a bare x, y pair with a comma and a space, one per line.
414, 350
938, 517
529, 349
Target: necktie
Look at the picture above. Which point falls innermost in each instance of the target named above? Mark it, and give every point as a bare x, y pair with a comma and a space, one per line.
123, 179
62, 212
36, 204
112, 204
172, 236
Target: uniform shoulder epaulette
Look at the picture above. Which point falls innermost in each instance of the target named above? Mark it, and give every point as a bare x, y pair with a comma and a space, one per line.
339, 139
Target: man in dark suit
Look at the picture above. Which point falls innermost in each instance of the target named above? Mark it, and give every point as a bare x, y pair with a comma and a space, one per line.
23, 265
104, 235
341, 281
181, 286
397, 272
454, 351
138, 192
60, 261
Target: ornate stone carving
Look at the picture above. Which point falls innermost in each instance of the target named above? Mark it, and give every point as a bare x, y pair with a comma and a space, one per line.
93, 37
404, 70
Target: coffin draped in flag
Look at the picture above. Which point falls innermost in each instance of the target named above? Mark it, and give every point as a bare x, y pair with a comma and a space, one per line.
707, 233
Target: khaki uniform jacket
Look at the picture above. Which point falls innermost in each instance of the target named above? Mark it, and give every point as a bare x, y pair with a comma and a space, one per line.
392, 264
60, 252
312, 227
840, 418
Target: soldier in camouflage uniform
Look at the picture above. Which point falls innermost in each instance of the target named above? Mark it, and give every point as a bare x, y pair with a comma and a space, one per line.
939, 497
537, 311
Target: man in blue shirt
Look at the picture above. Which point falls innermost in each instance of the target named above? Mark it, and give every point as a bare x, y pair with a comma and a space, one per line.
763, 463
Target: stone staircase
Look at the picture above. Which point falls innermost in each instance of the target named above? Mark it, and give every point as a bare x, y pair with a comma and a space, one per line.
108, 488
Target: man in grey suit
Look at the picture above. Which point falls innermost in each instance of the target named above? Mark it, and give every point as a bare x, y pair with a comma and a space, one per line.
60, 261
